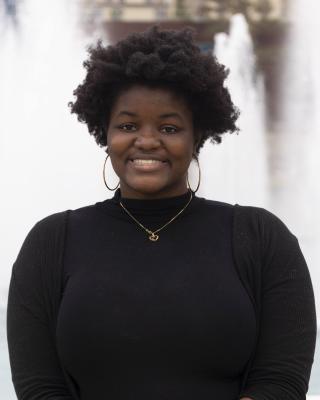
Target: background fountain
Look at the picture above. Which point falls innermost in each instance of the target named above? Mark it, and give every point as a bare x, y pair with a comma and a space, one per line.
236, 170
298, 197
43, 149
240, 173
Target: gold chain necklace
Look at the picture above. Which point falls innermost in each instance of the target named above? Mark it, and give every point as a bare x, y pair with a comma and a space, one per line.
153, 237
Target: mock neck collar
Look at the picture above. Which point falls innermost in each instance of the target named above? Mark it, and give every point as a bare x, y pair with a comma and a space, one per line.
165, 203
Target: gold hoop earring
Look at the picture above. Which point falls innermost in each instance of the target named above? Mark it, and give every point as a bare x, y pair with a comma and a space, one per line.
104, 175
194, 191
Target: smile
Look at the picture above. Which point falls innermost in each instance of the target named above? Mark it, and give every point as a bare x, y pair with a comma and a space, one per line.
147, 165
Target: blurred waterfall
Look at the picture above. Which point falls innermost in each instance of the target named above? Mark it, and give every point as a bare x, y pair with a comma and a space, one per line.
41, 57
236, 170
40, 66
298, 197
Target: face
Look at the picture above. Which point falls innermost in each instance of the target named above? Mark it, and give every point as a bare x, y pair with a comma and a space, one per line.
151, 142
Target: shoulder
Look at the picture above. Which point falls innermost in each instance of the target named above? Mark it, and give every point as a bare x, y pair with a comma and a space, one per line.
51, 231
57, 221
260, 219
209, 205
245, 210
45, 233
43, 246
53, 226
252, 218
52, 221
213, 203
256, 212
261, 229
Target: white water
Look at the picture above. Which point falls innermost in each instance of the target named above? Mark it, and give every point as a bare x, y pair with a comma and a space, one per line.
48, 162
235, 171
298, 198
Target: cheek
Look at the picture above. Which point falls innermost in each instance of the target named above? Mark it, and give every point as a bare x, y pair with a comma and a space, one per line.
118, 143
181, 150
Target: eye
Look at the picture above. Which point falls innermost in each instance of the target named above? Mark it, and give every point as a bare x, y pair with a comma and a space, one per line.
169, 129
127, 127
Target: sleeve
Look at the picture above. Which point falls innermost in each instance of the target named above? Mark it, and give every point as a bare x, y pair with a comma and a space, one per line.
285, 348
35, 369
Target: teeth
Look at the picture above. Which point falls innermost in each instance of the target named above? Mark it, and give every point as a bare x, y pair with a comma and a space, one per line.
137, 161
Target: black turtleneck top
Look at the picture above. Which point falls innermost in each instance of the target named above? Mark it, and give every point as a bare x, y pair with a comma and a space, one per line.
221, 306
153, 320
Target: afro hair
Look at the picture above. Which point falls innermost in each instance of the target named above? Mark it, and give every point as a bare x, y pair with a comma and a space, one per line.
161, 58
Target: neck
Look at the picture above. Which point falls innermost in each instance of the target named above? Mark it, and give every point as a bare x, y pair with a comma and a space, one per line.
129, 193
162, 206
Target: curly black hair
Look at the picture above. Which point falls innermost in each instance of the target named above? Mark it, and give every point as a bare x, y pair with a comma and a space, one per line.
156, 58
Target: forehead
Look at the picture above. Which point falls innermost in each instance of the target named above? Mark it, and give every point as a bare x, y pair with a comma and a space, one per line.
151, 99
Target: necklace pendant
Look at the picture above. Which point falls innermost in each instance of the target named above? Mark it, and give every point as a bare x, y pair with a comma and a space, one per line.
154, 237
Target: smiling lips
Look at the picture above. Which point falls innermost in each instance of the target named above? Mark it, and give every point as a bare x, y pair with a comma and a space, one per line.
147, 165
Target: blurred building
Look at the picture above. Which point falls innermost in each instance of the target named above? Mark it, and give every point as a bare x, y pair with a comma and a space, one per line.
127, 10
255, 10
115, 19
151, 10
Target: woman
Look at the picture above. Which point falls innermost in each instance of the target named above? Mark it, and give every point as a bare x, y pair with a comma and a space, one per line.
157, 293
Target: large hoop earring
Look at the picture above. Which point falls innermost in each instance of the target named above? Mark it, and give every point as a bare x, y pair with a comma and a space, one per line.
104, 175
199, 174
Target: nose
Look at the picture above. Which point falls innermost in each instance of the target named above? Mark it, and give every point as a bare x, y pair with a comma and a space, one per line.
148, 138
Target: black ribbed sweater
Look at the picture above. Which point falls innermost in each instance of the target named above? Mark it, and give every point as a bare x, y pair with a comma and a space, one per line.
220, 307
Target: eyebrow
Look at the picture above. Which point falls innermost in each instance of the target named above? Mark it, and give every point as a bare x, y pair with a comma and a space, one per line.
166, 115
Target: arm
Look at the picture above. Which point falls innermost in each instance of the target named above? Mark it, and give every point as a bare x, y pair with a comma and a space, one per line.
35, 368
284, 354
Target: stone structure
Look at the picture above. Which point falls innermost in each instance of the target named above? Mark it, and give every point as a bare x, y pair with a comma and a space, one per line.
151, 10
267, 19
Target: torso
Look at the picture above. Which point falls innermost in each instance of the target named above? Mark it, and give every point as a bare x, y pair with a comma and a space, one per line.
154, 320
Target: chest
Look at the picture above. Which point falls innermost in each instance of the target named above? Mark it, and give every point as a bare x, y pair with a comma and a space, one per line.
175, 302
